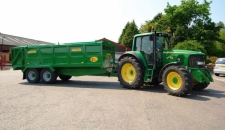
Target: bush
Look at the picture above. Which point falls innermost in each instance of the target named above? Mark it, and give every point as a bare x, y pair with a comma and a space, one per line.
211, 59
190, 45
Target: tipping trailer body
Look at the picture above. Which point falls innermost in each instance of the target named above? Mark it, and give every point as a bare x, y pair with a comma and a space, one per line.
71, 59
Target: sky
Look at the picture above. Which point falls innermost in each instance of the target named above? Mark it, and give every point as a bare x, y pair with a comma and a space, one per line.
82, 20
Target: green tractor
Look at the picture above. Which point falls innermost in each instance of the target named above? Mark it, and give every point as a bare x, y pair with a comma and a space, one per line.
151, 62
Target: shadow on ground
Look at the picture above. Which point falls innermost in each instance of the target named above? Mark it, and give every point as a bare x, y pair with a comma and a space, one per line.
79, 84
155, 89
203, 95
221, 75
95, 84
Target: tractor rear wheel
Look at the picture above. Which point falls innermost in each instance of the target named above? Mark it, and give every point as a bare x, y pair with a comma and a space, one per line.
130, 73
200, 86
177, 80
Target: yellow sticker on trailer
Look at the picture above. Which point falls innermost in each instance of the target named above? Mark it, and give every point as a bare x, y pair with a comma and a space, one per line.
94, 59
76, 49
32, 51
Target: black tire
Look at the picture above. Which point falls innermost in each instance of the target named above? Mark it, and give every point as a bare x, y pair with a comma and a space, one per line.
217, 74
177, 80
64, 77
130, 73
48, 76
155, 81
200, 86
33, 75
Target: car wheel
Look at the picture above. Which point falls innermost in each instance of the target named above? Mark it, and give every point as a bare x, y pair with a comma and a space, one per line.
217, 74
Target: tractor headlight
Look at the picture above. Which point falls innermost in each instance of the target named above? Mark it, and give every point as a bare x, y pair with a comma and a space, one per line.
200, 62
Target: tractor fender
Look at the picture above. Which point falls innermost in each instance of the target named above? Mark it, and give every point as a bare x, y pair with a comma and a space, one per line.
164, 67
133, 55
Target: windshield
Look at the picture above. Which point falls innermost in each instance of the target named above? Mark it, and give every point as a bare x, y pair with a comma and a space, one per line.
146, 45
220, 61
162, 43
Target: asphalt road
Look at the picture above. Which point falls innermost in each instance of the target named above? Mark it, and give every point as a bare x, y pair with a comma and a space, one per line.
89, 103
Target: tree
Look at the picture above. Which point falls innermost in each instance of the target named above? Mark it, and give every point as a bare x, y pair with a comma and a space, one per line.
188, 21
222, 31
147, 27
123, 32
191, 21
220, 46
126, 38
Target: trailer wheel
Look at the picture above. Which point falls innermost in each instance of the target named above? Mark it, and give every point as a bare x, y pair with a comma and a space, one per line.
177, 81
64, 77
48, 76
200, 86
130, 73
33, 75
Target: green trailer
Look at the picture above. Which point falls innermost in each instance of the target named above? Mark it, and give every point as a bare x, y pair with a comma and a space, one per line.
151, 62
47, 62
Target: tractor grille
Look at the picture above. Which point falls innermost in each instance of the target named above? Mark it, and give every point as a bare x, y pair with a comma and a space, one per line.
193, 59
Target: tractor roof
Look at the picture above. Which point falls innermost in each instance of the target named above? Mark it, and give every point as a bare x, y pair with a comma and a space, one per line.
149, 33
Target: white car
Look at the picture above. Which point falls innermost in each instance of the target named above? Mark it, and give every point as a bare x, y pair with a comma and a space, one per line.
219, 67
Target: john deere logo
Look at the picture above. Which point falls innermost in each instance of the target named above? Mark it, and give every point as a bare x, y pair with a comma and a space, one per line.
94, 59
169, 57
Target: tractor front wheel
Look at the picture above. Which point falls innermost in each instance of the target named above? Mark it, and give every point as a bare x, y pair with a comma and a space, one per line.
177, 81
130, 73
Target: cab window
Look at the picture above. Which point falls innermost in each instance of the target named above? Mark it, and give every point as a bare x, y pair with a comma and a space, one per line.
144, 44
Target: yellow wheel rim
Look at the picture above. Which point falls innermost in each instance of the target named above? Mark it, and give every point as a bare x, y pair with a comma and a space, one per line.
174, 80
128, 72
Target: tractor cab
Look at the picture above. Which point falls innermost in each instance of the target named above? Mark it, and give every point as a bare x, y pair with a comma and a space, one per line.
151, 45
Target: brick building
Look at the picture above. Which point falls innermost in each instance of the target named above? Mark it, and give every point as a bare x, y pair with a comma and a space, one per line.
9, 41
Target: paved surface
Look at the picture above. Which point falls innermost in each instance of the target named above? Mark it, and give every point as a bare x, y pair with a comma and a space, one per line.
221, 77
100, 103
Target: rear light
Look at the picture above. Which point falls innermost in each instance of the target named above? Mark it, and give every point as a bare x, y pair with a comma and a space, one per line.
214, 65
